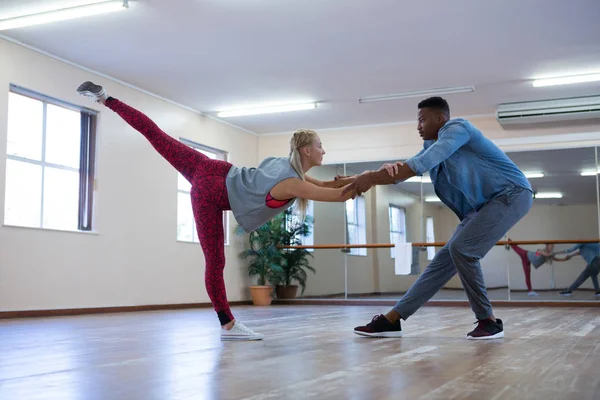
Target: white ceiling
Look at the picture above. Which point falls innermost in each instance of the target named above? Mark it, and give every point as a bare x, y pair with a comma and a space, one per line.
219, 54
561, 168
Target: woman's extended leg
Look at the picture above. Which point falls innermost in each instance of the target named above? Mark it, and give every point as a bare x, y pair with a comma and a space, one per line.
526, 265
185, 159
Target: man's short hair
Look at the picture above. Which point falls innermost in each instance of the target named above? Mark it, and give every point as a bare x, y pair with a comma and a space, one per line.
437, 103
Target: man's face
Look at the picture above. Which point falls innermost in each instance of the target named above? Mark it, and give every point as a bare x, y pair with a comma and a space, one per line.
430, 122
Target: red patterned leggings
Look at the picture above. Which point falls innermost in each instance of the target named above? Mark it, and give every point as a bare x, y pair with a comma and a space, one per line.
209, 197
526, 264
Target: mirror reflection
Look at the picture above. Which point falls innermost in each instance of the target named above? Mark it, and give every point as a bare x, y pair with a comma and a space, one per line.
408, 214
565, 208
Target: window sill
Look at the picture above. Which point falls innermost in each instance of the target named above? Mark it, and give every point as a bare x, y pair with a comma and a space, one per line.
51, 229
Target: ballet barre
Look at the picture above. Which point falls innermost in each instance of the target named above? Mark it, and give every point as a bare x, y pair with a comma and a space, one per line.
434, 244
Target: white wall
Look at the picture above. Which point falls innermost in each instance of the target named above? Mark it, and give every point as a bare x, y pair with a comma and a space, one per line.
401, 141
328, 228
133, 258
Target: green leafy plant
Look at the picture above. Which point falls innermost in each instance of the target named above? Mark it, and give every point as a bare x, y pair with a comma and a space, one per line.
271, 264
295, 263
263, 254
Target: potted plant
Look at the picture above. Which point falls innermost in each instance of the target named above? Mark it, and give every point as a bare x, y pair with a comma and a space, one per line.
271, 264
264, 257
294, 264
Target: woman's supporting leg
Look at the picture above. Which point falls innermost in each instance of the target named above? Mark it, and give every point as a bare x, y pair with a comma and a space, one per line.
527, 271
209, 200
185, 159
209, 225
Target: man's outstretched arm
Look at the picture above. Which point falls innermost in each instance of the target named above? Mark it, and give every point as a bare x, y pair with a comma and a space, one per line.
368, 179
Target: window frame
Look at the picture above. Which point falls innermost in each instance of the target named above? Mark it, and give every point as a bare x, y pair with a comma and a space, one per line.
87, 159
361, 217
295, 219
226, 214
403, 209
430, 250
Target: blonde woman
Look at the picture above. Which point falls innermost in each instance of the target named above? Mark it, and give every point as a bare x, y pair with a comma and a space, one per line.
254, 195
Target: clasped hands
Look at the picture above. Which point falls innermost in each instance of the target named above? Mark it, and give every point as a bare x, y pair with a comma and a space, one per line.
363, 182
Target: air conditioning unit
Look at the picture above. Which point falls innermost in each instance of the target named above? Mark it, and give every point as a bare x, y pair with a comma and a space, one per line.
549, 110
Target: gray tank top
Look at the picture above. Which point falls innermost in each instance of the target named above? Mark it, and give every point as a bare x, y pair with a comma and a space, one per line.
247, 190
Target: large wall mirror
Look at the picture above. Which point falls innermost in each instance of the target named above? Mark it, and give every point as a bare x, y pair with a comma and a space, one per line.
565, 209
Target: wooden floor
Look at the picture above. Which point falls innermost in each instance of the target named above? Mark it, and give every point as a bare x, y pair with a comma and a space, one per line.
309, 352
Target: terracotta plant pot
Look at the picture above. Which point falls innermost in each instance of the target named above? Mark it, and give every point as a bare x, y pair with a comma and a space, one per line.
261, 295
286, 291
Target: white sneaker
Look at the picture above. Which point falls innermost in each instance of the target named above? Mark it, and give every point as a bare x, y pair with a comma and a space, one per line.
95, 92
532, 293
240, 331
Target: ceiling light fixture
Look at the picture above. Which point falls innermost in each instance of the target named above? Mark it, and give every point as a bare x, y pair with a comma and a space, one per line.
548, 195
590, 172
63, 14
432, 199
566, 80
531, 175
266, 110
418, 93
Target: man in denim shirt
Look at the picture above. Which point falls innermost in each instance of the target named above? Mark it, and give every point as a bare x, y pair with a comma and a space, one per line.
590, 252
482, 186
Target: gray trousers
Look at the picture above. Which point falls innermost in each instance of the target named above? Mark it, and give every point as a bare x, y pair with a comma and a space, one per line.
474, 237
591, 271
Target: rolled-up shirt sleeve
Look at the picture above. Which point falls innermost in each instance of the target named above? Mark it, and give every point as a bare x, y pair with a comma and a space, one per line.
570, 250
451, 137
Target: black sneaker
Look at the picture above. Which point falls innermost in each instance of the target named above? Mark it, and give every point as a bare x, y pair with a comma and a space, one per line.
598, 293
487, 329
566, 292
380, 327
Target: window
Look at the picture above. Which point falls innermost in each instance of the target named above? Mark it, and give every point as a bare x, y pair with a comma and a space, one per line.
50, 163
186, 226
397, 227
356, 225
430, 237
310, 215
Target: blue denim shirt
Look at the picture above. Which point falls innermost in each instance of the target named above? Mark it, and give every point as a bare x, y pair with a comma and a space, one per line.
466, 168
588, 251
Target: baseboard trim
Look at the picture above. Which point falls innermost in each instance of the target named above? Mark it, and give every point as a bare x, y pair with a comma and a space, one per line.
108, 310
367, 294
437, 303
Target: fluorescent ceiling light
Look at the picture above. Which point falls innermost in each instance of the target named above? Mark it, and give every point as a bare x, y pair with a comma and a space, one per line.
419, 179
63, 14
266, 110
418, 93
589, 173
566, 80
432, 199
534, 175
548, 195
